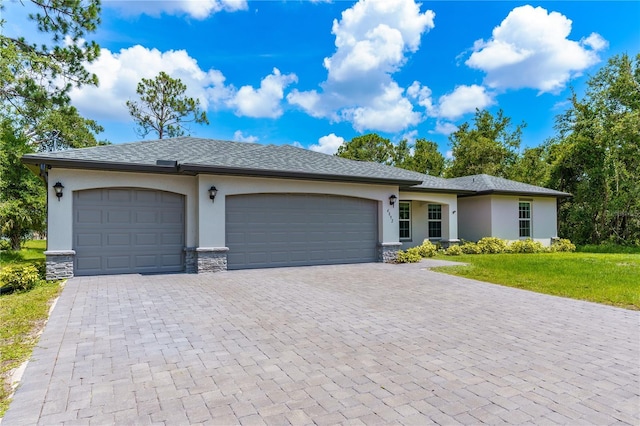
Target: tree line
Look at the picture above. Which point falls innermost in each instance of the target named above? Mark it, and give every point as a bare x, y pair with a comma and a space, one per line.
595, 155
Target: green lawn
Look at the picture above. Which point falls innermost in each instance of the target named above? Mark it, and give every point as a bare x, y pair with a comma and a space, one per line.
22, 316
612, 279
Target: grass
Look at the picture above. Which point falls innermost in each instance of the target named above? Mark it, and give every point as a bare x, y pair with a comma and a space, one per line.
611, 279
22, 316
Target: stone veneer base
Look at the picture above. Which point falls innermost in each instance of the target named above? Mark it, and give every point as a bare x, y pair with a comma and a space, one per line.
205, 259
59, 264
387, 252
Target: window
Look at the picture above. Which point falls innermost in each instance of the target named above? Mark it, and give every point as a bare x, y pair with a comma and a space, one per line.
524, 214
405, 220
435, 221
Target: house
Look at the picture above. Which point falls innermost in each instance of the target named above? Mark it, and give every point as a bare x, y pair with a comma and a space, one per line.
201, 205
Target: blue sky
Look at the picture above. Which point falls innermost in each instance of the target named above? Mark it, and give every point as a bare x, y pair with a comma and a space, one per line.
316, 73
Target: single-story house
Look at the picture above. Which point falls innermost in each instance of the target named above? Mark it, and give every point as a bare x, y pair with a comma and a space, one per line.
200, 205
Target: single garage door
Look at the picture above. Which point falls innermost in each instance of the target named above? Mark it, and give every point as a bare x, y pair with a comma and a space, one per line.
270, 230
123, 231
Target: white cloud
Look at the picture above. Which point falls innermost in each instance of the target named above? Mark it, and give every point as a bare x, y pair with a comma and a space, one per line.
410, 136
449, 155
388, 112
462, 100
198, 9
265, 101
119, 74
297, 144
423, 95
238, 136
328, 144
445, 128
373, 40
531, 49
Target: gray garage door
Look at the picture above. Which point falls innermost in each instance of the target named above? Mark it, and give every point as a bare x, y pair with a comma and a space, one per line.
122, 230
269, 230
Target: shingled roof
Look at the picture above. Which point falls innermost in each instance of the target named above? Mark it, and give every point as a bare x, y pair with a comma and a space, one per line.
487, 184
188, 155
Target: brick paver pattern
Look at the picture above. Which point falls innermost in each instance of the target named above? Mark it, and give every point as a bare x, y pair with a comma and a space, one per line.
355, 344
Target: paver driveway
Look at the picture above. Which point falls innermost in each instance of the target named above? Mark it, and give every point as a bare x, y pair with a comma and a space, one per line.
368, 343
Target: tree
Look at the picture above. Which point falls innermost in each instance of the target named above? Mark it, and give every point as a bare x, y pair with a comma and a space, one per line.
490, 146
425, 159
596, 157
62, 128
164, 108
34, 76
370, 147
531, 166
22, 194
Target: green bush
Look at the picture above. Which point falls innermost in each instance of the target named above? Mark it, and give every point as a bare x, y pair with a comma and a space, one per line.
470, 248
562, 244
526, 246
412, 255
493, 245
5, 245
427, 249
19, 278
453, 251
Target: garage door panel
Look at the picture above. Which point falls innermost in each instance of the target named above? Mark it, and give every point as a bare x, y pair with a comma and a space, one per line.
128, 231
268, 230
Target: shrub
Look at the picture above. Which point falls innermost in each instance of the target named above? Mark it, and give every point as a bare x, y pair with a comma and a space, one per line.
19, 277
41, 266
470, 248
492, 245
526, 246
5, 245
412, 255
453, 251
427, 249
563, 244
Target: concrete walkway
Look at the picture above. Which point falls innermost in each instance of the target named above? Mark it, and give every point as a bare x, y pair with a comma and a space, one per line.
356, 344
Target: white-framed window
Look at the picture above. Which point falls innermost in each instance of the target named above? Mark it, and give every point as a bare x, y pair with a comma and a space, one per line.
405, 220
435, 221
524, 216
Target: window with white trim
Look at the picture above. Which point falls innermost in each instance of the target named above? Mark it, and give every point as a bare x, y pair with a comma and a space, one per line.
524, 216
405, 220
435, 221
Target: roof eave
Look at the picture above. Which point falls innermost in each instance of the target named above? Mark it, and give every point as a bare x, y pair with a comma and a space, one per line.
193, 169
522, 193
285, 174
438, 190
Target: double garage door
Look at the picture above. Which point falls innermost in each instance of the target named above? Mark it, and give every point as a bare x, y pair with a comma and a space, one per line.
271, 230
123, 230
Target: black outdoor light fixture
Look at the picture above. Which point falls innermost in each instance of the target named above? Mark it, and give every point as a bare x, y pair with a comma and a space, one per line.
212, 193
58, 187
392, 200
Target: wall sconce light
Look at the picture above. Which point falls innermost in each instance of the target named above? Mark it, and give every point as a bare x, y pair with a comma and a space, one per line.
58, 187
392, 200
212, 193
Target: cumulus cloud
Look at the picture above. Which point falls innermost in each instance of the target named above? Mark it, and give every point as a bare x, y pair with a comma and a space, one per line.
198, 9
373, 40
120, 72
531, 49
328, 144
388, 112
238, 136
445, 128
264, 101
462, 100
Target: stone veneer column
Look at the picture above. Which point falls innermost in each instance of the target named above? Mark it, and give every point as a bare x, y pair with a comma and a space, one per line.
190, 260
211, 259
387, 252
59, 264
